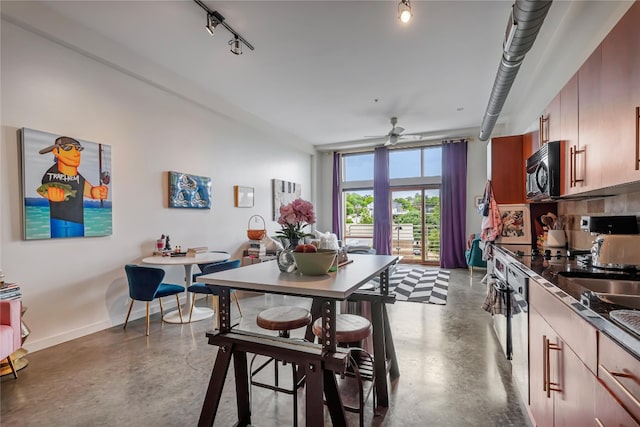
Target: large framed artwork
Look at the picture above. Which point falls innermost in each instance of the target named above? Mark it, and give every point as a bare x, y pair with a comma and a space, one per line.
66, 186
189, 191
516, 224
284, 192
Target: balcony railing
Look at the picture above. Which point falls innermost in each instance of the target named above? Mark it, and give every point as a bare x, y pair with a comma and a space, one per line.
405, 240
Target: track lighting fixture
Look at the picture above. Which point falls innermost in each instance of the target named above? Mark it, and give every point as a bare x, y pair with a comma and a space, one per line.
404, 11
212, 23
214, 19
236, 47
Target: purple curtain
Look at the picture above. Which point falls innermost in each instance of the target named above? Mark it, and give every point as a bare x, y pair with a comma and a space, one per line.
381, 202
336, 223
453, 205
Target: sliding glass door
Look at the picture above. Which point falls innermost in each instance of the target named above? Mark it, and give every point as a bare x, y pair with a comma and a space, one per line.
415, 231
431, 226
414, 179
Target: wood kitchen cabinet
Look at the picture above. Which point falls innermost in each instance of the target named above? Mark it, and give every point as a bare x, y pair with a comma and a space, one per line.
619, 372
595, 148
620, 97
551, 122
599, 112
562, 379
541, 405
506, 168
609, 411
569, 136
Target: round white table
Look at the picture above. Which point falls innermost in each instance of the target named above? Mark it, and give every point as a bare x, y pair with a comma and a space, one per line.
199, 313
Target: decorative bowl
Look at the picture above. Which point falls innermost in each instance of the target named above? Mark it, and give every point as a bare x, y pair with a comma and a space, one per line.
315, 263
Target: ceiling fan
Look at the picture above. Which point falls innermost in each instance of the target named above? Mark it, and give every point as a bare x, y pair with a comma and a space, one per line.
396, 134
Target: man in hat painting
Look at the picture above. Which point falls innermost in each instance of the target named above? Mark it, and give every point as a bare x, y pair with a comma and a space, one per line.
65, 189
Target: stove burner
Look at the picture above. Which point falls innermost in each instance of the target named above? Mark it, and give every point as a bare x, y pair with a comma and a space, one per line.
558, 255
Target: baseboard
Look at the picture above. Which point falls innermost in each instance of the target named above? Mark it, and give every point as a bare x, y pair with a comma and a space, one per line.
138, 311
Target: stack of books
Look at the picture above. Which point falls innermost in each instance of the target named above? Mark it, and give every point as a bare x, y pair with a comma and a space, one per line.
10, 291
256, 249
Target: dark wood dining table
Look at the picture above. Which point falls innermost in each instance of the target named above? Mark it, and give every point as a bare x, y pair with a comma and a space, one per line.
320, 361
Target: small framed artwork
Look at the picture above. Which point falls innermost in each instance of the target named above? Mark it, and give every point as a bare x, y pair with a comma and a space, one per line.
189, 191
516, 224
477, 200
243, 196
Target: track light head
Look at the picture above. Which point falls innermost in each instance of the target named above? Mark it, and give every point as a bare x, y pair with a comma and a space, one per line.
404, 11
215, 18
212, 23
236, 46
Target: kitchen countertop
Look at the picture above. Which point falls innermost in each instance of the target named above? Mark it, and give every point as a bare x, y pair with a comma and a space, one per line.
580, 300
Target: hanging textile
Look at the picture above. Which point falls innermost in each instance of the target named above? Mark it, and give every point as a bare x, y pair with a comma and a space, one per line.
492, 223
453, 235
381, 202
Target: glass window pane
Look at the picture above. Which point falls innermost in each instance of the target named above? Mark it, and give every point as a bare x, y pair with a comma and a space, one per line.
358, 167
404, 163
358, 215
432, 161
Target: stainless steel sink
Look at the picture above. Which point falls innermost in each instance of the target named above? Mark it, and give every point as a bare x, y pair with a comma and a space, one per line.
630, 301
600, 285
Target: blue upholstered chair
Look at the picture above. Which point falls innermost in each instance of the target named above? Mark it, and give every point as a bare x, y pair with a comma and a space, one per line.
202, 266
145, 284
201, 288
473, 254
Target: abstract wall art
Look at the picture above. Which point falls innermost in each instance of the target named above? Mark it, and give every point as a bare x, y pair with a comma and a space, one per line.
189, 191
516, 224
284, 192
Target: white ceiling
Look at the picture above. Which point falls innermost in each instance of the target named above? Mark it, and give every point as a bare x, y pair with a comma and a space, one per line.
335, 71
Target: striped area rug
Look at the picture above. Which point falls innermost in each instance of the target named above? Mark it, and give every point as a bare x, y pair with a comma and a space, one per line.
419, 285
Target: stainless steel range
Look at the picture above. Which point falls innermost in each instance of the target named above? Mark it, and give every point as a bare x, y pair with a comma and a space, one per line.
502, 306
511, 321
518, 282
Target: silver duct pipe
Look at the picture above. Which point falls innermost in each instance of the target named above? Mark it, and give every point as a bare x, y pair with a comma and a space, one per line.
522, 29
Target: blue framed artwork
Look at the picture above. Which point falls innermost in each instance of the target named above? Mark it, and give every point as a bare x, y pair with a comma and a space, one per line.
189, 191
66, 186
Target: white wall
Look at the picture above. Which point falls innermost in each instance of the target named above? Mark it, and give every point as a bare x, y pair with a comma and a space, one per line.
73, 287
476, 181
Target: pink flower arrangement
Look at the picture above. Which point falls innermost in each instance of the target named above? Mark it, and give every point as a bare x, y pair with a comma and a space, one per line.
294, 217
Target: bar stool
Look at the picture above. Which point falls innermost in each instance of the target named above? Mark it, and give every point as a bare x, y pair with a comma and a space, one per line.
282, 319
351, 330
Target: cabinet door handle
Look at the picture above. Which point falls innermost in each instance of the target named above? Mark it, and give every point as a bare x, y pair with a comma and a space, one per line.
574, 158
612, 376
543, 130
572, 154
600, 424
548, 346
545, 362
637, 138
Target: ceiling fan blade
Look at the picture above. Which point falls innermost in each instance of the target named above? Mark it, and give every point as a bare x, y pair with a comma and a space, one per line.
397, 130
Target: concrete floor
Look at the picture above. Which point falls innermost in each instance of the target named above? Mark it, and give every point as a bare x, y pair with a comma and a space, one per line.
452, 372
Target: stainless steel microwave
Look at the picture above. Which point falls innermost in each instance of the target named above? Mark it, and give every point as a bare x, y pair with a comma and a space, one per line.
543, 172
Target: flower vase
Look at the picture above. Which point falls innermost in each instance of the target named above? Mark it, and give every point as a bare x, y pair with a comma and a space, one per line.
285, 260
